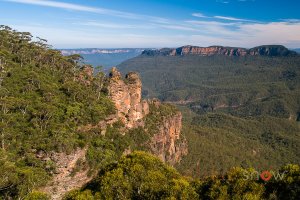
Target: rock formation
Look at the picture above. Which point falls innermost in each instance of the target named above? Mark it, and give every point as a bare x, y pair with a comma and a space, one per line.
266, 50
126, 94
132, 110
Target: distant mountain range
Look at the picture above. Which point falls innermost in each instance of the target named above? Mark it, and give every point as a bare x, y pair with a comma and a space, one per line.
265, 50
297, 50
104, 57
108, 58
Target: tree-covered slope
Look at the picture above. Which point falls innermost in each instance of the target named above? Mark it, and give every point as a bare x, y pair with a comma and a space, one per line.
44, 99
219, 141
58, 126
220, 81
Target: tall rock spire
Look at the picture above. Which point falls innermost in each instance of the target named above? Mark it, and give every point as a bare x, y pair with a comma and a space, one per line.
126, 94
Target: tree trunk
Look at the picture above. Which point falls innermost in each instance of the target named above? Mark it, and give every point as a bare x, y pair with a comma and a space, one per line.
2, 138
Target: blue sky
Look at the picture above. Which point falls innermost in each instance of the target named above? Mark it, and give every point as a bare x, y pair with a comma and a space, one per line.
156, 23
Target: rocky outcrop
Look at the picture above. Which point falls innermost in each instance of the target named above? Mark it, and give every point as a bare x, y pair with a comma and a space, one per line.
266, 50
71, 172
167, 143
126, 94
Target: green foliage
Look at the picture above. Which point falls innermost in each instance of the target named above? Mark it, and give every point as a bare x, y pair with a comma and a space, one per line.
233, 186
139, 139
8, 172
43, 103
36, 195
217, 142
138, 176
289, 186
78, 195
242, 86
47, 100
101, 153
241, 183
217, 81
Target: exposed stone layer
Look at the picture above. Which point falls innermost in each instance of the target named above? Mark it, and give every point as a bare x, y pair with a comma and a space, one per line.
266, 50
208, 51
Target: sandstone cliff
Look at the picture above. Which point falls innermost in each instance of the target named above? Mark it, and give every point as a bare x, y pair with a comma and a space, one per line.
166, 142
266, 50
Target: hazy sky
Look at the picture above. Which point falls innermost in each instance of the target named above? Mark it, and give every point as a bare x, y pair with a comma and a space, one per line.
156, 23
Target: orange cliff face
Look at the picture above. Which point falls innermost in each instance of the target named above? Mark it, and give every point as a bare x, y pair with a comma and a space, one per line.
208, 51
165, 143
132, 110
